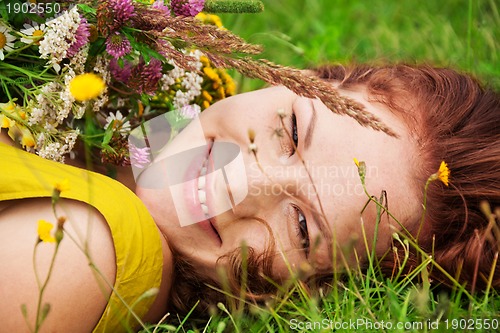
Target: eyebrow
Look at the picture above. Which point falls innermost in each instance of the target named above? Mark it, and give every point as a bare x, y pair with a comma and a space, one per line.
310, 127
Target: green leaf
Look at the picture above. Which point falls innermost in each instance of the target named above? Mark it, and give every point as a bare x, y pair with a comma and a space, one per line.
146, 57
108, 134
107, 148
45, 312
24, 310
166, 66
3, 11
156, 55
86, 8
145, 99
96, 47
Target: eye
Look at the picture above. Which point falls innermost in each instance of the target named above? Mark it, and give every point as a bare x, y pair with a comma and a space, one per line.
293, 133
301, 227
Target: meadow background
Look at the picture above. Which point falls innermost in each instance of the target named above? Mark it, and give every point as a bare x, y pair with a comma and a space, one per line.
463, 34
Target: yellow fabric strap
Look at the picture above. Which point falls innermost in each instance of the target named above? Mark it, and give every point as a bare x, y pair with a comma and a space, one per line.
135, 235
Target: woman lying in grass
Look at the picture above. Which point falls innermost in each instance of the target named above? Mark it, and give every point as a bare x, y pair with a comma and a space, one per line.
292, 204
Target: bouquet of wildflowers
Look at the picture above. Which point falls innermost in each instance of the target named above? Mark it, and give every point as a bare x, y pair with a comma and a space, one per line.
91, 71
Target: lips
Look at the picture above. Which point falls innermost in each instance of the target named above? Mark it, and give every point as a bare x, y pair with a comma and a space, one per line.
198, 193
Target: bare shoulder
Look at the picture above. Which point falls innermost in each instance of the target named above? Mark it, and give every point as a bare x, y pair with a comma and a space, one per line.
75, 292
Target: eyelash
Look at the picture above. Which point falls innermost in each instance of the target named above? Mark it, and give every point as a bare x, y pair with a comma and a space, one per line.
301, 227
293, 132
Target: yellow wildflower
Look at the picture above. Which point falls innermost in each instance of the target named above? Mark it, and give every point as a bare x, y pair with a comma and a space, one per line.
140, 108
230, 88
5, 121
11, 106
62, 185
361, 169
221, 93
206, 95
27, 138
211, 74
210, 19
20, 133
7, 111
86, 86
444, 173
44, 229
205, 61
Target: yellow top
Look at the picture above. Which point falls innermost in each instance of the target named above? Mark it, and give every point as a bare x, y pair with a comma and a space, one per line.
135, 235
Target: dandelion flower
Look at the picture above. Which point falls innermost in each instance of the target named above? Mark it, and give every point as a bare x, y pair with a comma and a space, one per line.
86, 86
356, 162
118, 45
6, 41
33, 32
444, 173
119, 123
44, 229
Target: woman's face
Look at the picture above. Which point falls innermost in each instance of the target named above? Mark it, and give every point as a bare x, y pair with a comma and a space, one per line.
302, 195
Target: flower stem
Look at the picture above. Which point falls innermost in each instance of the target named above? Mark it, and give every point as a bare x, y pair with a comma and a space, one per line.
40, 317
424, 206
28, 73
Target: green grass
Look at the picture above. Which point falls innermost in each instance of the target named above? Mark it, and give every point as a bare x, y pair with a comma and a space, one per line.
301, 33
462, 34
359, 302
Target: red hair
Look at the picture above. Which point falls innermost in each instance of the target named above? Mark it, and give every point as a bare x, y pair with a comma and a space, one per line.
454, 119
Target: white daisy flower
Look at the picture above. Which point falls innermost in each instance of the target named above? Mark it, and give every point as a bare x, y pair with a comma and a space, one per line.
6, 40
33, 32
119, 123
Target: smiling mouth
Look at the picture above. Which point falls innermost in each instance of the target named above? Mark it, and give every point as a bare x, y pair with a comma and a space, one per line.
202, 195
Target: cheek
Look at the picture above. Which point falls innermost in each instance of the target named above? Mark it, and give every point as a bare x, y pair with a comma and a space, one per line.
245, 232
